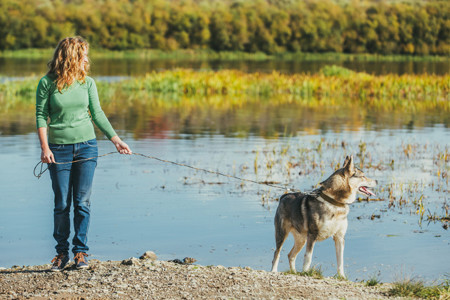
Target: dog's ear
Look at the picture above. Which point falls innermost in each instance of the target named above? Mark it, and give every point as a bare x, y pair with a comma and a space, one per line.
349, 166
347, 158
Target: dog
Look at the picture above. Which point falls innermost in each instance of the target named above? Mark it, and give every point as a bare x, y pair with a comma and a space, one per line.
316, 216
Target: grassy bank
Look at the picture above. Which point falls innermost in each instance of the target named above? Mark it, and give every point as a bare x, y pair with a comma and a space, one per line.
405, 288
224, 55
334, 86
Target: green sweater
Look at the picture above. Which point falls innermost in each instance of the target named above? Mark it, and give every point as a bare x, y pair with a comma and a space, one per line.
71, 112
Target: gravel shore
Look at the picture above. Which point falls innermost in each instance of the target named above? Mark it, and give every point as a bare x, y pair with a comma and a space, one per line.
152, 279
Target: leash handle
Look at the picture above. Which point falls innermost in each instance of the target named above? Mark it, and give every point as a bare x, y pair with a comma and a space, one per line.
42, 170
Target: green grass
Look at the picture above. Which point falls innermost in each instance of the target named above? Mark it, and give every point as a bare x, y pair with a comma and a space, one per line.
27, 53
340, 278
373, 281
223, 55
417, 288
314, 272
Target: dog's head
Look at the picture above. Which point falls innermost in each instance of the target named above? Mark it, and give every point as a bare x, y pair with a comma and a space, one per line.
343, 184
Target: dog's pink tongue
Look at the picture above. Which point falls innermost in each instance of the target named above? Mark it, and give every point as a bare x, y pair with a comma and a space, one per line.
366, 191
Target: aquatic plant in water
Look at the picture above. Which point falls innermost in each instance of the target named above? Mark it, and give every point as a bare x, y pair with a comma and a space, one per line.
292, 164
334, 87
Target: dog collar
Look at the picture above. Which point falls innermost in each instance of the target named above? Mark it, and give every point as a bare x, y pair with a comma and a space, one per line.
331, 200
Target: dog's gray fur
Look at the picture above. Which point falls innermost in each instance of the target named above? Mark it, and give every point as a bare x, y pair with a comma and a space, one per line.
319, 215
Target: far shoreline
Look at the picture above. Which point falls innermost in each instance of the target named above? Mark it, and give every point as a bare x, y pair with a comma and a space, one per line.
195, 54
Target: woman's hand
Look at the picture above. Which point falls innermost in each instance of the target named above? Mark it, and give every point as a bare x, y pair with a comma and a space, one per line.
121, 146
47, 156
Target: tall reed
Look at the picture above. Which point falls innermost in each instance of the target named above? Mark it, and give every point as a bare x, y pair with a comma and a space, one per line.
204, 88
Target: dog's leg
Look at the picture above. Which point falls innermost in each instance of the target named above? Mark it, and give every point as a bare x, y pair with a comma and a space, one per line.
309, 250
276, 255
280, 236
299, 242
339, 243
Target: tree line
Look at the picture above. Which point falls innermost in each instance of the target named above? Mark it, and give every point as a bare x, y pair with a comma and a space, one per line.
269, 26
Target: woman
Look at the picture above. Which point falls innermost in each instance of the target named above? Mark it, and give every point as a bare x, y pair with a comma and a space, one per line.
68, 97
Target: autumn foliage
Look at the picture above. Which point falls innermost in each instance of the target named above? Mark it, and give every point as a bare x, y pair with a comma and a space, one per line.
269, 26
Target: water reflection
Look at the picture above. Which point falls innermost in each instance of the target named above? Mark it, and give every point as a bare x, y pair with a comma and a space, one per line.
136, 67
147, 119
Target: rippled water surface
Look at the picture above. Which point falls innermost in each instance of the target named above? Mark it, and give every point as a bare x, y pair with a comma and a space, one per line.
140, 204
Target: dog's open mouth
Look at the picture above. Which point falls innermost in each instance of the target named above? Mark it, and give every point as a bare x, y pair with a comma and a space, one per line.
366, 191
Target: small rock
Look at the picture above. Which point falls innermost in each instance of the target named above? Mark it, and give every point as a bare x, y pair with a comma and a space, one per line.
176, 261
185, 261
130, 262
149, 255
189, 260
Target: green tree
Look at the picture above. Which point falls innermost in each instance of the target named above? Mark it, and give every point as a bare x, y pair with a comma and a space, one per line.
375, 26
220, 31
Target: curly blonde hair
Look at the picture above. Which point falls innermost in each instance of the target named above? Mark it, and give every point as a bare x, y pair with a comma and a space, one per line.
69, 62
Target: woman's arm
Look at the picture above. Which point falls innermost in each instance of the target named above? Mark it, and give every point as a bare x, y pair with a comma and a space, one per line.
46, 153
97, 114
102, 122
42, 94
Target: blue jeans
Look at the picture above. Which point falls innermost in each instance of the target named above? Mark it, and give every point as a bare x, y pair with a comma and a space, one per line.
72, 182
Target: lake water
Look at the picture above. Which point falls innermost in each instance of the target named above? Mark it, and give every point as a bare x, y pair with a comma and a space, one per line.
140, 204
19, 67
